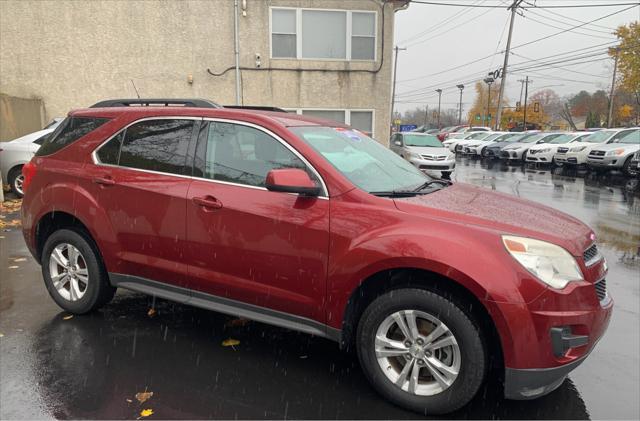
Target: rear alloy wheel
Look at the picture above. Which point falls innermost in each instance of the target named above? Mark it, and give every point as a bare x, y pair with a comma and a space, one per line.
73, 272
16, 180
421, 351
627, 164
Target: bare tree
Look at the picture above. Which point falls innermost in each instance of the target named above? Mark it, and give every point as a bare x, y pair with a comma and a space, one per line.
565, 114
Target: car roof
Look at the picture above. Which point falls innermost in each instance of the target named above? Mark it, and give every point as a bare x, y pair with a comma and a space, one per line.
280, 118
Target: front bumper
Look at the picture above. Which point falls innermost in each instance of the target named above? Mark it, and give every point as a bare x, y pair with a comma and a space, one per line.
606, 161
571, 158
543, 157
430, 165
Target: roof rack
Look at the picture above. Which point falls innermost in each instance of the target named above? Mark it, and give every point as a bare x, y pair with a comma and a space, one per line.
256, 107
148, 102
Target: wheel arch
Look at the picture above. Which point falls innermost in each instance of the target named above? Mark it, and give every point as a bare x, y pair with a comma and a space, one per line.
410, 277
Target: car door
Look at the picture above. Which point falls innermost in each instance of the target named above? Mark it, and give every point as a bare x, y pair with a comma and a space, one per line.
140, 180
248, 244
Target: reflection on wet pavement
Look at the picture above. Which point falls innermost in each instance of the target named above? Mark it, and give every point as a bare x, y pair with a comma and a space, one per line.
88, 367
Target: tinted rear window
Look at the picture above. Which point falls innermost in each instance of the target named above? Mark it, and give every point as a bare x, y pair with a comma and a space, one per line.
157, 145
70, 130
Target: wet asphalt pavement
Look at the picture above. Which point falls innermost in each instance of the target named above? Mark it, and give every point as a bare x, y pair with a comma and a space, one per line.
90, 366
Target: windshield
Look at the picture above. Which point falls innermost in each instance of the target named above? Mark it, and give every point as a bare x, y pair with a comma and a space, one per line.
598, 137
362, 160
545, 137
631, 137
478, 135
563, 138
421, 140
492, 136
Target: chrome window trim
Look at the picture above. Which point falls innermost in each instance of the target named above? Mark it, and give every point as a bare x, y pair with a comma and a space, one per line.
96, 161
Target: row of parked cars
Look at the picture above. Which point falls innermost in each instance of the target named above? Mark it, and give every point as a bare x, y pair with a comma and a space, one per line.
600, 150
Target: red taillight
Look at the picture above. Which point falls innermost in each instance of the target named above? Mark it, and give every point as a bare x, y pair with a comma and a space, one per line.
28, 171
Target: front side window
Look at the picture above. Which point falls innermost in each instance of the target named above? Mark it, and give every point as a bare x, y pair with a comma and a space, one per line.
70, 130
157, 145
630, 137
244, 155
365, 162
323, 34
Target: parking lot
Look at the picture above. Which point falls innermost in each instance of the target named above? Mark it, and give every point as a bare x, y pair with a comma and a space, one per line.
55, 366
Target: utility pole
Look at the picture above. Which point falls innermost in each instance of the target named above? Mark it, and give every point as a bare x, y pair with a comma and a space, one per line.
461, 87
393, 94
613, 87
503, 79
488, 81
521, 88
439, 91
426, 114
526, 94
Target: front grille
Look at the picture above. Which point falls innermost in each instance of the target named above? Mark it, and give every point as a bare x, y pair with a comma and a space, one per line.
504, 154
533, 151
590, 254
601, 289
434, 158
432, 167
563, 150
597, 153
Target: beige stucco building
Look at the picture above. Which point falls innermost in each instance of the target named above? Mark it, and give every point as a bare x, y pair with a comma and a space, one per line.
325, 57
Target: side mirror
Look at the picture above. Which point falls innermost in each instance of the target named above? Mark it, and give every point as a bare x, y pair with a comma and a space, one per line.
291, 180
540, 141
397, 143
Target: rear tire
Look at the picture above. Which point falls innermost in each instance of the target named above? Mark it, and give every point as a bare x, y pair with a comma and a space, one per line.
627, 164
15, 179
73, 272
438, 380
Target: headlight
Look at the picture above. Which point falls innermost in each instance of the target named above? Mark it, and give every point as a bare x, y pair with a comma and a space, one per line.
545, 150
615, 152
451, 156
414, 155
551, 264
578, 149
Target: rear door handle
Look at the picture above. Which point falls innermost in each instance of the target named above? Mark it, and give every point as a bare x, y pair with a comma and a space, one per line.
104, 181
208, 202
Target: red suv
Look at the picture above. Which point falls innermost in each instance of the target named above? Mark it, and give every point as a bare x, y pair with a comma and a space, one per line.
311, 225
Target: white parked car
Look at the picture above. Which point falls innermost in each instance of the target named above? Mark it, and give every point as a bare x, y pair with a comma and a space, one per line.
617, 155
544, 153
474, 147
424, 151
576, 153
15, 153
517, 151
452, 142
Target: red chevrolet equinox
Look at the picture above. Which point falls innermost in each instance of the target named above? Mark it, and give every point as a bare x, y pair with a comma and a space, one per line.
311, 225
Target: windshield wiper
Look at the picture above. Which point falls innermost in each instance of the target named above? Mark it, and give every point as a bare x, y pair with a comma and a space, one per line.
394, 193
432, 182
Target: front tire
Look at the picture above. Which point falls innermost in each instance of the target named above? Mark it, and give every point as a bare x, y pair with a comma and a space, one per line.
73, 272
421, 351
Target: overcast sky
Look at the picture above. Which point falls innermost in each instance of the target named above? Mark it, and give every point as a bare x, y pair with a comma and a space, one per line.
440, 38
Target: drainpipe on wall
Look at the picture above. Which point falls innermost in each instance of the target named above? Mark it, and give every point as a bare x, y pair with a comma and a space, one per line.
236, 50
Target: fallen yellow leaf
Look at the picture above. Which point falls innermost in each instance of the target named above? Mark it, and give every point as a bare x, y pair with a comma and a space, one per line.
67, 317
146, 412
230, 342
151, 312
143, 396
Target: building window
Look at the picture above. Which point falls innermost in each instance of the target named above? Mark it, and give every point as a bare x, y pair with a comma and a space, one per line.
323, 34
362, 120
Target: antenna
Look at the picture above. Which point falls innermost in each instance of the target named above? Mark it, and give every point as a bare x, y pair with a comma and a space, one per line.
134, 87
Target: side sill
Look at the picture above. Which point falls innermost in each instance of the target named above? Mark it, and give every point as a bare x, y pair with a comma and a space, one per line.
224, 305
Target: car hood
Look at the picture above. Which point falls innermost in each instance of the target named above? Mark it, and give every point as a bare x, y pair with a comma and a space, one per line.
429, 150
547, 145
613, 146
518, 145
502, 213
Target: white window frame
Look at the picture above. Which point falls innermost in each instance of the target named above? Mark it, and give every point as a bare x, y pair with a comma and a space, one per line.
347, 116
349, 34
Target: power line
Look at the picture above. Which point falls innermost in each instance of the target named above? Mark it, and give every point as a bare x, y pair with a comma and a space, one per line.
558, 27
496, 6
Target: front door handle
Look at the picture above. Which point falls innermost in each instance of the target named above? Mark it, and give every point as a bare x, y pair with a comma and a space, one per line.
208, 202
104, 181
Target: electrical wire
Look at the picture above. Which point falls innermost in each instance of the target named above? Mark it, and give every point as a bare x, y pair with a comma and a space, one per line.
558, 6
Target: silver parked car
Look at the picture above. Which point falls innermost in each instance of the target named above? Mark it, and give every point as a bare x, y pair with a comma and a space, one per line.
615, 155
424, 151
14, 154
518, 150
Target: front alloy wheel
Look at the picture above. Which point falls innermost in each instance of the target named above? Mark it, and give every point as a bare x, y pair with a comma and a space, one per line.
422, 350
417, 352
